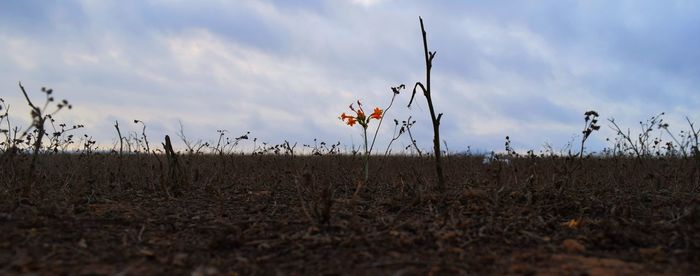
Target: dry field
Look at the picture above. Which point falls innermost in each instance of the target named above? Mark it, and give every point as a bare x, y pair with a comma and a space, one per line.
104, 214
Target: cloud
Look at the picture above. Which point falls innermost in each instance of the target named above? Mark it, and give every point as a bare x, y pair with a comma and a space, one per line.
367, 3
284, 70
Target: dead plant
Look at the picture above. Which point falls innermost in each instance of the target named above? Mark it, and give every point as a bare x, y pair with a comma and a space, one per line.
435, 119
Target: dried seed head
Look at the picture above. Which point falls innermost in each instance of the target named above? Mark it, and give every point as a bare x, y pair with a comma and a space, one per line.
397, 89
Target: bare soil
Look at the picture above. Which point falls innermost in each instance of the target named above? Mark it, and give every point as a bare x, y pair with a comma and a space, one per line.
230, 215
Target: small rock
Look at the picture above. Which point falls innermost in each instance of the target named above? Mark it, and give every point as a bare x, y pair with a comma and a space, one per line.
82, 243
98, 269
205, 270
655, 254
475, 194
179, 259
521, 268
448, 235
5, 216
573, 246
147, 253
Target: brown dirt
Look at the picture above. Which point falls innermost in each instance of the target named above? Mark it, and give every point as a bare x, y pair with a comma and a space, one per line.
104, 215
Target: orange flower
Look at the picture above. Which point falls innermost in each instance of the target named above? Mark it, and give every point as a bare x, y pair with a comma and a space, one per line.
361, 114
360, 118
350, 120
377, 114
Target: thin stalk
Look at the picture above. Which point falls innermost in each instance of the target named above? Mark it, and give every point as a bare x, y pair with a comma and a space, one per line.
382, 120
393, 138
366, 156
121, 140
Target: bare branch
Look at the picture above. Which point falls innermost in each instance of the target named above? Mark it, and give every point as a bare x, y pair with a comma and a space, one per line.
418, 84
27, 97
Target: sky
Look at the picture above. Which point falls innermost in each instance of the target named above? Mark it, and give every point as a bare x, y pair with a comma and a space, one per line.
285, 70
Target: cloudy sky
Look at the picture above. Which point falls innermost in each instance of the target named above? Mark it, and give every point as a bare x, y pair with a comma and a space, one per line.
285, 70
